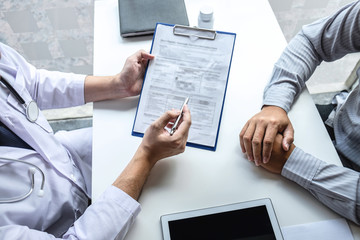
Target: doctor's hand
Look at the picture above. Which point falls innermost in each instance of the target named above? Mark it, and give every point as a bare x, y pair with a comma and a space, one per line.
158, 143
257, 137
130, 79
278, 156
124, 84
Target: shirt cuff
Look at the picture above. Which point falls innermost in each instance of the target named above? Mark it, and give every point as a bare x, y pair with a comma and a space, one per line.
282, 88
301, 167
277, 96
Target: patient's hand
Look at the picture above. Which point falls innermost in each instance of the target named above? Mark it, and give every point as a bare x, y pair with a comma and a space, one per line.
278, 156
258, 135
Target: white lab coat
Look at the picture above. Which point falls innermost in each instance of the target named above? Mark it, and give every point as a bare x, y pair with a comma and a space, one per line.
68, 177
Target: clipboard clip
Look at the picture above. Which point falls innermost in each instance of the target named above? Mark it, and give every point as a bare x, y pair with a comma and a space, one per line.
194, 32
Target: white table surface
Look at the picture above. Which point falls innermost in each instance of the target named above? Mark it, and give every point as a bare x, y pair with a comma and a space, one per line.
200, 178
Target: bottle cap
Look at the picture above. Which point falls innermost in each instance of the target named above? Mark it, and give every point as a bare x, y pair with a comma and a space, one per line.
206, 13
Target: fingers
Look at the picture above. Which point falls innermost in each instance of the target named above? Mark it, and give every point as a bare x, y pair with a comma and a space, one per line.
141, 58
241, 136
175, 143
258, 135
247, 136
268, 143
183, 128
181, 134
164, 119
184, 125
145, 55
288, 137
257, 145
257, 142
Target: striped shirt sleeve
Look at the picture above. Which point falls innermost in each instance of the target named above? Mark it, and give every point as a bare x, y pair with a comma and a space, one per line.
327, 39
336, 187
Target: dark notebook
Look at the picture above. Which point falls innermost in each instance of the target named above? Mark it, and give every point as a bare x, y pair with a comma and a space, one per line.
139, 17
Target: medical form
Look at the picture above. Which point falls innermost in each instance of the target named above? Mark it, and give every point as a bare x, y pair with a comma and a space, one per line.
190, 64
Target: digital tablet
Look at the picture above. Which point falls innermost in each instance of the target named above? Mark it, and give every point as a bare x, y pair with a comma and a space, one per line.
246, 220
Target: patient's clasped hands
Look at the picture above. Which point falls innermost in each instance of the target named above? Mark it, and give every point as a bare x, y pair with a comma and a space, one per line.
267, 138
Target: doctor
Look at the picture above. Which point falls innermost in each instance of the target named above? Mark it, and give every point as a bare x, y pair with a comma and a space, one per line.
45, 178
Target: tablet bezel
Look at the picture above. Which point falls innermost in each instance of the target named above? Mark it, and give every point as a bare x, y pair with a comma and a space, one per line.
165, 219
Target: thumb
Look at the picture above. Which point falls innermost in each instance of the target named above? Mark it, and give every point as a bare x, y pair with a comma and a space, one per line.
288, 137
146, 56
164, 119
186, 121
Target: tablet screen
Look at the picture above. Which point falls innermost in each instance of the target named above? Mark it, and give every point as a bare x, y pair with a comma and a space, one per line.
244, 223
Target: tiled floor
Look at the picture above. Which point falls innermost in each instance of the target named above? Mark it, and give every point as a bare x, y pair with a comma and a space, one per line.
55, 35
58, 35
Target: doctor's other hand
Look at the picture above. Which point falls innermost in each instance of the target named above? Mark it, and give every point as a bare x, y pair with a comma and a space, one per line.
158, 143
258, 135
130, 79
278, 156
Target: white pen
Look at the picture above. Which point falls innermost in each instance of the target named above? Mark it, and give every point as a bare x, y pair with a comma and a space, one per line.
179, 117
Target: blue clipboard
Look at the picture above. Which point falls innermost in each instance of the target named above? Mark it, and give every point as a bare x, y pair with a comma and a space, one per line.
191, 36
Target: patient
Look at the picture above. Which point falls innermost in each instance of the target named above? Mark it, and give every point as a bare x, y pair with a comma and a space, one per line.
267, 137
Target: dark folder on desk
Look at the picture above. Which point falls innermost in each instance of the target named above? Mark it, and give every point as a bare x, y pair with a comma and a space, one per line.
139, 17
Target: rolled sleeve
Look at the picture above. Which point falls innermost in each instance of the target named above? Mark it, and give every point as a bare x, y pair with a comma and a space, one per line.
110, 216
58, 90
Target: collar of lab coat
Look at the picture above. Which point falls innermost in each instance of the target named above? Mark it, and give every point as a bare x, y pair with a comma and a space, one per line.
19, 84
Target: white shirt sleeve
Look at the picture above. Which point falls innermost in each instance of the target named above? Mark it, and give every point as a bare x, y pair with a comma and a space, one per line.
336, 187
50, 89
110, 216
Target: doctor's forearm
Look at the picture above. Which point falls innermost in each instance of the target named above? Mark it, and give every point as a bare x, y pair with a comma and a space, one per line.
103, 88
134, 176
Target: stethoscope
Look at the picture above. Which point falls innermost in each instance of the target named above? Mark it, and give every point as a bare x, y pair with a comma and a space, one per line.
32, 110
32, 113
32, 170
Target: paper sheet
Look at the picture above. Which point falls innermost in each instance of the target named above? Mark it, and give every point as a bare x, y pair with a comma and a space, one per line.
335, 229
185, 67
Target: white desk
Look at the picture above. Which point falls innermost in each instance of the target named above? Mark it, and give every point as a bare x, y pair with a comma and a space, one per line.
200, 178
